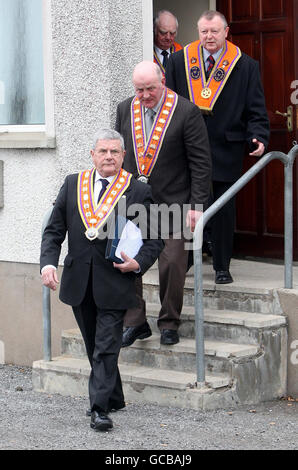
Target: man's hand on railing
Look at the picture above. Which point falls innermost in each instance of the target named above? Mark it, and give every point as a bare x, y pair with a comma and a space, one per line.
49, 277
258, 152
192, 217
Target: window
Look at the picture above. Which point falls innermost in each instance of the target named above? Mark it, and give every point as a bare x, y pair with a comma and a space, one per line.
26, 92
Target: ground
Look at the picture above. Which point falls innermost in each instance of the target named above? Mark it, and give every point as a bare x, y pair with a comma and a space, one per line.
39, 421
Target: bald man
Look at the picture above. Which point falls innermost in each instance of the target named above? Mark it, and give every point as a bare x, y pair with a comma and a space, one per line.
166, 147
165, 31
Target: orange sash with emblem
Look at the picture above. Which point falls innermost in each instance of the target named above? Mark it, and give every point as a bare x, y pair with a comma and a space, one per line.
95, 215
204, 93
147, 149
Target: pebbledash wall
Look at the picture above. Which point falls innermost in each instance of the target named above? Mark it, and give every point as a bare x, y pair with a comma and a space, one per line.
94, 47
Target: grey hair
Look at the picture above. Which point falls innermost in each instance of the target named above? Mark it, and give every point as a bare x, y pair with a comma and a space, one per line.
156, 19
108, 134
210, 14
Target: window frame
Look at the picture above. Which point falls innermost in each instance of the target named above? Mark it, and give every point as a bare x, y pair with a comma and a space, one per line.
37, 136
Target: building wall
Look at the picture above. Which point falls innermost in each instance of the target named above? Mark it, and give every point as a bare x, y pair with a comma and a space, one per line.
95, 47
21, 315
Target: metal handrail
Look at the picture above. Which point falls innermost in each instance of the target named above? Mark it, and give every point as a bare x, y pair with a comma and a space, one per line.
288, 161
46, 307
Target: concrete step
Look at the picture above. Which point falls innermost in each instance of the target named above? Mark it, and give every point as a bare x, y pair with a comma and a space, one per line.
245, 347
180, 357
69, 376
258, 371
253, 294
240, 327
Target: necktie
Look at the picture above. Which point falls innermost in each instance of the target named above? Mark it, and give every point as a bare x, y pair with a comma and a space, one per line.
104, 184
211, 63
165, 58
149, 118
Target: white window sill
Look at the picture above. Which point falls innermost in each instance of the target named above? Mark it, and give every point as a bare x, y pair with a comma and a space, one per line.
27, 139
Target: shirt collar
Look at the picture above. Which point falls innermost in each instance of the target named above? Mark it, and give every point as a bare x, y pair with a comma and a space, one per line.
159, 51
215, 55
98, 177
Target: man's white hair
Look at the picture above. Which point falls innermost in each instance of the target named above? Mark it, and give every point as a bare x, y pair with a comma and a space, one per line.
157, 17
108, 134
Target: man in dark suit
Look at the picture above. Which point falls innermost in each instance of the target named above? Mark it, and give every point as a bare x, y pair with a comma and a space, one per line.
167, 147
226, 85
99, 290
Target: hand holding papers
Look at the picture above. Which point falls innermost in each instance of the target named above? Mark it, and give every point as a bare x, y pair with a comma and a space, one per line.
130, 240
125, 238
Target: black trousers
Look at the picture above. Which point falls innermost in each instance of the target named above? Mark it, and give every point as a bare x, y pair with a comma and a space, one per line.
102, 333
222, 229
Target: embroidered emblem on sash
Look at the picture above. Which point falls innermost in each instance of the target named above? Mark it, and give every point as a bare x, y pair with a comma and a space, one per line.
204, 93
195, 73
146, 151
94, 215
219, 75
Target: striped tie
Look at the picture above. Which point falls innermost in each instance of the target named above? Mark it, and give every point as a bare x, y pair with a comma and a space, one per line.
211, 61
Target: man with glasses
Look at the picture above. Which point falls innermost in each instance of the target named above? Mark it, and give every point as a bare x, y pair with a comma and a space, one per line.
98, 289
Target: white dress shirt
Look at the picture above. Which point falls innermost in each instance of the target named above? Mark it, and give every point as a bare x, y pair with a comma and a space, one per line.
98, 183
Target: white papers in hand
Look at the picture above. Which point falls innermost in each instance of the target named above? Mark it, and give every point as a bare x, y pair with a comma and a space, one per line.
130, 241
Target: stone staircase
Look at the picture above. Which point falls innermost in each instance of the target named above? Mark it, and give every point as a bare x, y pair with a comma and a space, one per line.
245, 349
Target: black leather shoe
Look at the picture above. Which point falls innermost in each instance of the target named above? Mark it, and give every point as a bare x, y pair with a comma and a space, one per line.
223, 277
131, 333
100, 421
113, 408
169, 337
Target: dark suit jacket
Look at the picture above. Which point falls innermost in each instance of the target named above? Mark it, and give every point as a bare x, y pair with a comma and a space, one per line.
111, 288
183, 169
238, 116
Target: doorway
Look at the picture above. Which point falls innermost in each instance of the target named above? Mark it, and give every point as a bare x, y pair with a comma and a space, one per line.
265, 30
187, 13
